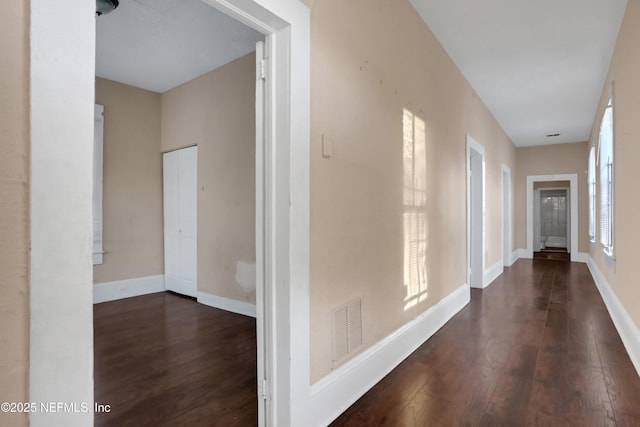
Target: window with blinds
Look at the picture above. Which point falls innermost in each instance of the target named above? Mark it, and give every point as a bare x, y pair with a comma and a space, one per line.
605, 160
591, 184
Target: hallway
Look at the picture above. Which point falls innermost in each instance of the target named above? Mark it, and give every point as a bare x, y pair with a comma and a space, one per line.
536, 348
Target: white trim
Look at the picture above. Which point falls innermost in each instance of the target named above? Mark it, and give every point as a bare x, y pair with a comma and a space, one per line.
62, 80
629, 332
472, 144
283, 307
507, 223
582, 257
524, 253
227, 304
98, 155
515, 256
63, 71
334, 393
573, 190
490, 274
119, 289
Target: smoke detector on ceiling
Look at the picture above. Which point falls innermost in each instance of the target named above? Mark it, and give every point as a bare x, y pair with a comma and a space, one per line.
105, 6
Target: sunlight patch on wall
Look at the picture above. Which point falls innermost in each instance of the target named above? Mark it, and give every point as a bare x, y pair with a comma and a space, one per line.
414, 216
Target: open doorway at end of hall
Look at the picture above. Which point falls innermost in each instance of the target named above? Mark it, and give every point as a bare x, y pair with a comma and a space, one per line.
552, 220
552, 217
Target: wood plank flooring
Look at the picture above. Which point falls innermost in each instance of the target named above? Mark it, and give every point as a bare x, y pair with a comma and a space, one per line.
164, 360
536, 348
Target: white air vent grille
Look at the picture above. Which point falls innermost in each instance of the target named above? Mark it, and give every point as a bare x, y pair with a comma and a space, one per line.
347, 329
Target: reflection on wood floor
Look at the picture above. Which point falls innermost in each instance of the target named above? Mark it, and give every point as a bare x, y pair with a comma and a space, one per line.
165, 360
535, 348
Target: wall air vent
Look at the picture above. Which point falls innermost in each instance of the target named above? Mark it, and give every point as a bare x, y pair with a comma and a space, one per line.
347, 329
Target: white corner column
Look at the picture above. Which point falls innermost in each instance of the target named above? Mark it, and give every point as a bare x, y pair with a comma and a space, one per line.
62, 109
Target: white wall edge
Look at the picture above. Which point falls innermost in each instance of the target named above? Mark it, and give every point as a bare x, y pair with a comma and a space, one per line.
119, 289
580, 257
492, 273
629, 332
227, 304
334, 393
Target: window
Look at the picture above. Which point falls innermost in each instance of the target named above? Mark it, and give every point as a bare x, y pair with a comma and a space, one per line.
591, 184
605, 160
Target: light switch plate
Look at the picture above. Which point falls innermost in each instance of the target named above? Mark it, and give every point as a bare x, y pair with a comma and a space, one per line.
327, 147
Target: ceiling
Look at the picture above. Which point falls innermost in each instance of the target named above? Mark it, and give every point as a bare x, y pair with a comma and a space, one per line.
160, 44
539, 66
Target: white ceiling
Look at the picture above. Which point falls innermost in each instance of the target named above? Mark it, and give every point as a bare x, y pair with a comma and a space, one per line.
160, 44
538, 65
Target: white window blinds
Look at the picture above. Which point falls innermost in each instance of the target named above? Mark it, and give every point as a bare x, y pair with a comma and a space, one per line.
591, 184
606, 177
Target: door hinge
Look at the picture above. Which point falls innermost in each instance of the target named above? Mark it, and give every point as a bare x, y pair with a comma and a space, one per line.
265, 394
263, 69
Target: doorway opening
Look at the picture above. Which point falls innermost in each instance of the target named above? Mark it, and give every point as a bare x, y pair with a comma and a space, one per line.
183, 89
62, 62
552, 217
552, 220
475, 213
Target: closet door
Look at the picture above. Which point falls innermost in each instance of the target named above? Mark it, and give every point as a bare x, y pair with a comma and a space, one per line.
180, 186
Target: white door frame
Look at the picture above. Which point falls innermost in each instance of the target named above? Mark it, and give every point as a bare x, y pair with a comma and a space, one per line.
62, 59
573, 204
474, 146
507, 239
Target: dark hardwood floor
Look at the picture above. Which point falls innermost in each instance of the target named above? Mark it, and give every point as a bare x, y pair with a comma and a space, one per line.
536, 348
164, 360
552, 253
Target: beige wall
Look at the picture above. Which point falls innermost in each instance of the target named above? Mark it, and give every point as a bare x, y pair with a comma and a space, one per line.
132, 189
624, 74
216, 111
552, 160
370, 61
14, 208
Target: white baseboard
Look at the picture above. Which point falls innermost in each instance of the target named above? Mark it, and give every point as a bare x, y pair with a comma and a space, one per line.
512, 258
111, 291
580, 257
492, 273
524, 253
227, 304
515, 256
629, 332
334, 393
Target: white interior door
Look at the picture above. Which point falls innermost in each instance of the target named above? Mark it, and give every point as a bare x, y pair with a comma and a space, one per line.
180, 179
